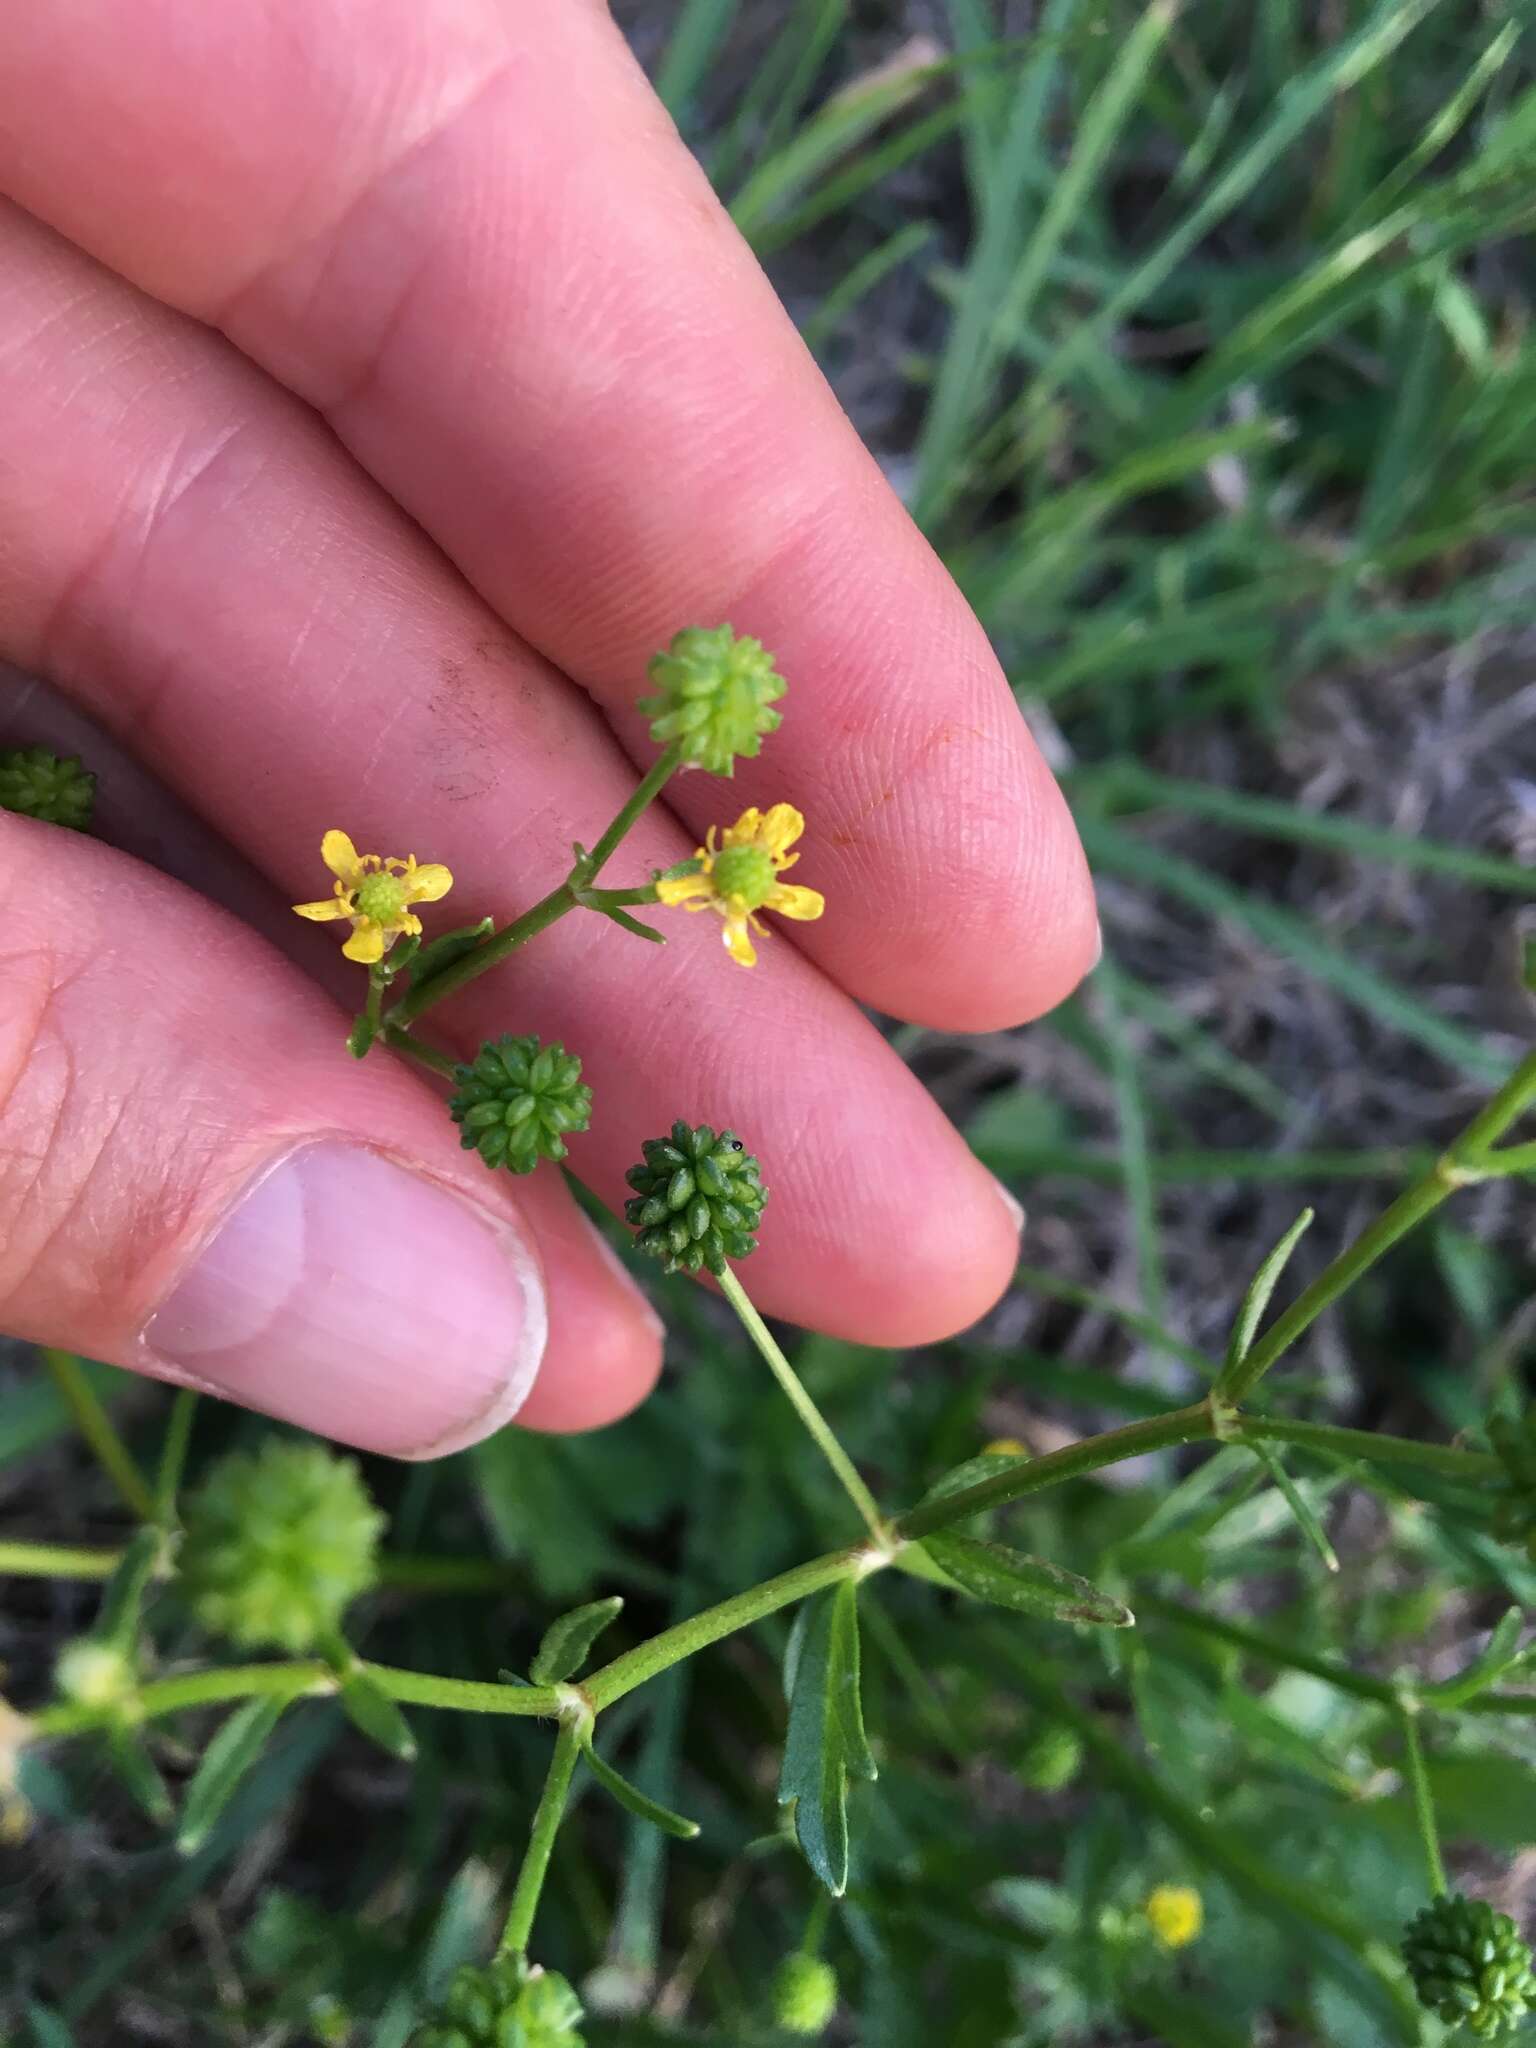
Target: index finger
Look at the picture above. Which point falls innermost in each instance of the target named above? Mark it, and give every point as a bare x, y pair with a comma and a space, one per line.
468, 235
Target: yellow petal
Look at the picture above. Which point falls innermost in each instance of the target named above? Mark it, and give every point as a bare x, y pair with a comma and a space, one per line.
738, 944
789, 901
780, 829
322, 913
340, 856
366, 944
683, 887
745, 830
427, 884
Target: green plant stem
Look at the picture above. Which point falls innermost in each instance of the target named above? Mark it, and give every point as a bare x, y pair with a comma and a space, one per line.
402, 1569
56, 1561
1031, 1475
164, 1696
660, 773
1423, 1803
1460, 1165
541, 1840
1509, 1159
100, 1432
567, 897
816, 1423
173, 1456
686, 1638
1451, 1459
399, 1039
1254, 1643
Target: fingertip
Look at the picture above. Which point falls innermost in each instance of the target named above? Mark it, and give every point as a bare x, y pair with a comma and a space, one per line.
605, 1344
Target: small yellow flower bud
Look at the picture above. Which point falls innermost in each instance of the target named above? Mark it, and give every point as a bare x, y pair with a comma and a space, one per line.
1176, 1914
94, 1674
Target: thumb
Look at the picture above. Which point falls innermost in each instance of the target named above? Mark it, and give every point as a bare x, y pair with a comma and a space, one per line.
197, 1183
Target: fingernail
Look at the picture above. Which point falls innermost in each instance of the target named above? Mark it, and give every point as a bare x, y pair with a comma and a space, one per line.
1012, 1204
359, 1299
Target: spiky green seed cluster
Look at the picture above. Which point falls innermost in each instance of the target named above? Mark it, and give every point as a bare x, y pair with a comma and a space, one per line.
804, 1995
1469, 1966
1515, 1445
518, 1100
277, 1542
698, 1199
52, 787
713, 695
505, 2005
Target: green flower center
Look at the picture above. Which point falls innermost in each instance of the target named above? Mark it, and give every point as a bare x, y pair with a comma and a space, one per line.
381, 897
747, 872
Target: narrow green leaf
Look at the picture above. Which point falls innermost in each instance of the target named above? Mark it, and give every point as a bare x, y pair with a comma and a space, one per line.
118, 1620
985, 1465
1306, 1515
637, 1802
136, 1767
1498, 1655
371, 1711
568, 1640
825, 1744
1028, 1585
1256, 1300
228, 1757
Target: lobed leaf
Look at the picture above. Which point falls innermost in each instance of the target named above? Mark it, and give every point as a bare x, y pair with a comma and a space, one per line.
825, 1744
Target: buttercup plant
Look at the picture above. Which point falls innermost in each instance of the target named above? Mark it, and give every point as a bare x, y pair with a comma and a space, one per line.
270, 1550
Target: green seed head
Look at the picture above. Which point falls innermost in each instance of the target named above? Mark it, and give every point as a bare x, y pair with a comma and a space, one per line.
698, 1199
747, 872
381, 896
504, 2004
804, 1995
518, 1100
713, 697
1469, 1966
277, 1543
53, 787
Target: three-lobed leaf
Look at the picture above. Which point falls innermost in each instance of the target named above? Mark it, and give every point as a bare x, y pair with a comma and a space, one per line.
1027, 1585
825, 1745
568, 1640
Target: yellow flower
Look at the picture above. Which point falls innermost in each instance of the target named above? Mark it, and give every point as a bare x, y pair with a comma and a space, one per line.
376, 895
741, 876
1176, 1914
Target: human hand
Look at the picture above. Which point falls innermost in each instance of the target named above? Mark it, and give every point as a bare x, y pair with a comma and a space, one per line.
380, 385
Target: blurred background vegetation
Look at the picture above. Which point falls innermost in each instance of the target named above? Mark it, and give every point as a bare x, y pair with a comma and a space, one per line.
1199, 343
